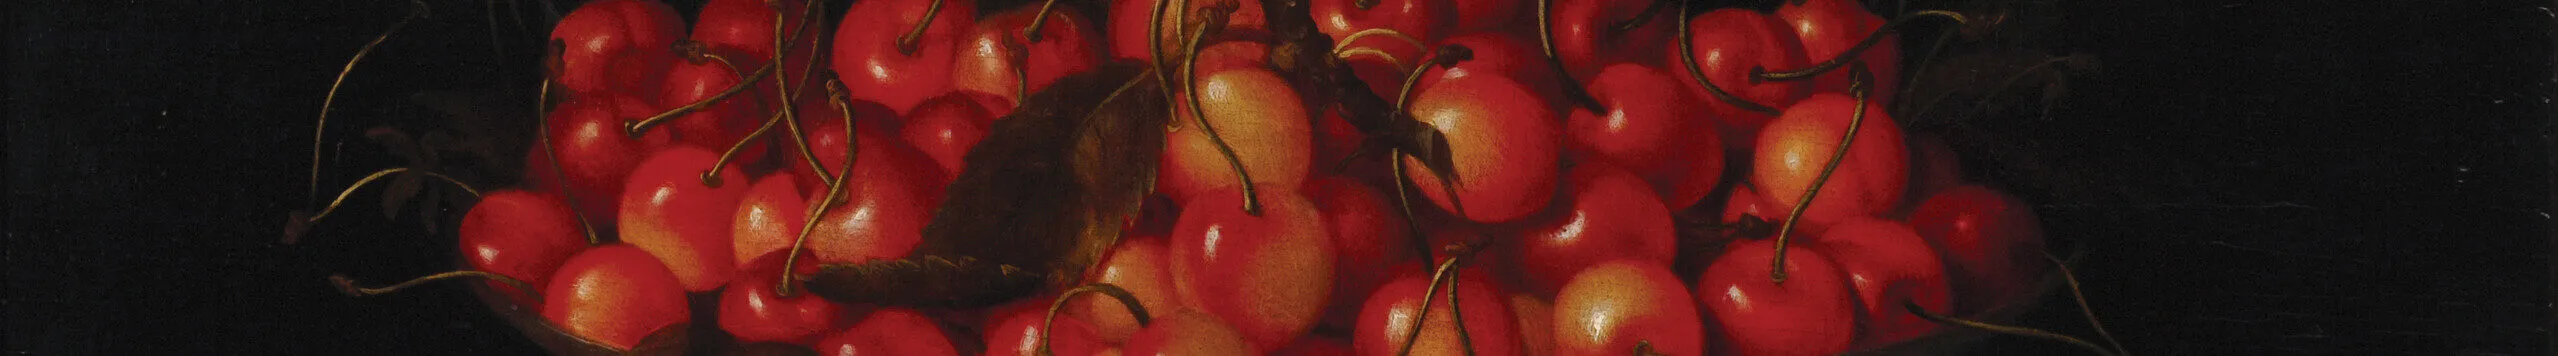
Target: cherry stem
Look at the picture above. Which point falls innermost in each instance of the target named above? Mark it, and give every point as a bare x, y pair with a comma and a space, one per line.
350, 189
1347, 53
789, 98
321, 129
1687, 57
1443, 274
834, 190
2081, 297
541, 113
710, 177
1447, 56
913, 39
637, 127
1403, 200
1644, 348
1155, 48
1572, 89
1841, 60
1048, 325
1037, 19
2003, 329
1380, 31
1923, 61
347, 285
1215, 17
1861, 82
1644, 17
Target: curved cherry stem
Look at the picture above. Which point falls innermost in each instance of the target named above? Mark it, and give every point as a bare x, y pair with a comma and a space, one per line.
1155, 48
834, 189
1860, 84
1348, 53
1190, 88
2081, 296
2004, 329
1841, 60
694, 52
1048, 325
541, 114
368, 179
913, 40
788, 97
347, 285
1443, 274
1687, 57
781, 86
1380, 31
1572, 89
710, 177
1644, 17
1403, 201
321, 129
1037, 20
1446, 56
1914, 75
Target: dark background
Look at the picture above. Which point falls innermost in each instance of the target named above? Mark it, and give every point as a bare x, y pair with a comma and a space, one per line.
2248, 176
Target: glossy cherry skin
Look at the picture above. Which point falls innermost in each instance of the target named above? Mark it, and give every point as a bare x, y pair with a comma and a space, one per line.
1794, 150
1651, 127
1421, 19
1587, 40
1886, 264
668, 210
1387, 319
874, 67
1259, 116
1504, 141
753, 309
1726, 44
521, 235
743, 30
1610, 308
1605, 214
1187, 332
1992, 244
614, 46
1268, 276
1368, 235
595, 154
614, 294
769, 217
722, 123
1812, 313
990, 62
1128, 25
1827, 28
1018, 333
889, 331
945, 127
890, 196
1138, 265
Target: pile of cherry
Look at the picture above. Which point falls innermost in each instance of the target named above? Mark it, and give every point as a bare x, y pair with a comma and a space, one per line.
1628, 177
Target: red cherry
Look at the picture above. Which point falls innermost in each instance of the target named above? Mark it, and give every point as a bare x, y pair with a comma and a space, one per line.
988, 62
1495, 54
1812, 313
1535, 320
595, 154
614, 294
1187, 332
1992, 243
668, 210
823, 126
1222, 56
1019, 332
1367, 234
1796, 148
1128, 25
1828, 28
1488, 15
1503, 140
721, 124
945, 127
1137, 265
753, 311
1647, 130
1727, 43
521, 235
1606, 214
1747, 200
1586, 35
1610, 308
890, 196
876, 67
1257, 114
615, 46
1386, 321
1420, 19
1268, 275
743, 31
769, 217
889, 331
1887, 264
